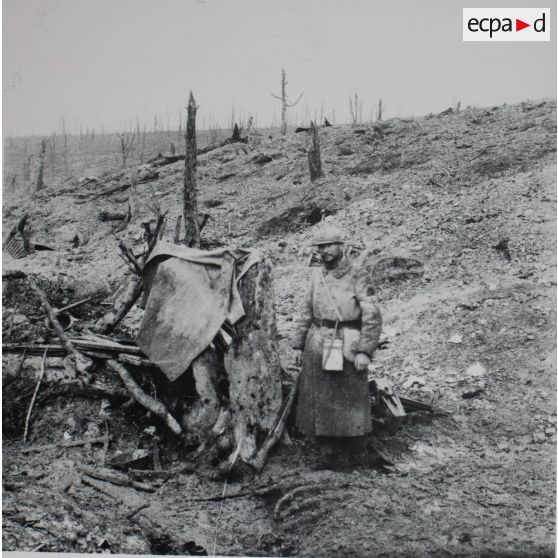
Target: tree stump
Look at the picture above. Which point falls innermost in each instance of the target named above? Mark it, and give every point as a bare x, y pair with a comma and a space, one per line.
314, 157
252, 363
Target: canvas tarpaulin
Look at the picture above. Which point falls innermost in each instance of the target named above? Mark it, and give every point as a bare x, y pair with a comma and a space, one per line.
189, 294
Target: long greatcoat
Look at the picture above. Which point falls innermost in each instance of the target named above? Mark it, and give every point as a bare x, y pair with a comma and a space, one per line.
335, 403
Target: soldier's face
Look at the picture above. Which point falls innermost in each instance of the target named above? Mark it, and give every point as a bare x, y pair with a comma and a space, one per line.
330, 253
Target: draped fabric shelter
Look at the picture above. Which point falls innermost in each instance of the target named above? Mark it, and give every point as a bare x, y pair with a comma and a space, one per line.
189, 293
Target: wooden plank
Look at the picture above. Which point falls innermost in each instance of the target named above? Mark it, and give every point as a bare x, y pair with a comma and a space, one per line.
55, 349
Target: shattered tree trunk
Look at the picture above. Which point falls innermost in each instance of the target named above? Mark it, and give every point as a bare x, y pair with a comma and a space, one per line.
203, 414
254, 372
40, 174
252, 363
314, 156
284, 102
126, 144
190, 194
121, 306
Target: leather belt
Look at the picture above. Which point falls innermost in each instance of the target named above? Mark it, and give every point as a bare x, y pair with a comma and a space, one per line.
356, 324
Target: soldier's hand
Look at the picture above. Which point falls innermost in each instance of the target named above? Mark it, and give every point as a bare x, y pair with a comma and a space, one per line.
298, 357
362, 361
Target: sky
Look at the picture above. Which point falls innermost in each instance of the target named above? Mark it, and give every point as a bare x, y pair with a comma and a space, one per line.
103, 64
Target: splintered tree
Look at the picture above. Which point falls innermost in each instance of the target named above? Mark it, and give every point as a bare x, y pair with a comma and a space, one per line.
355, 109
179, 136
380, 111
52, 152
190, 194
285, 102
314, 157
249, 131
126, 144
40, 183
65, 154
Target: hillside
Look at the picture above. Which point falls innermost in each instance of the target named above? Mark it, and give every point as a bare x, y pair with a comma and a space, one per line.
473, 196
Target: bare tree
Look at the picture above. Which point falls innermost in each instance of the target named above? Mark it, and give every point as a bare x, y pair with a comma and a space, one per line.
380, 111
306, 113
142, 154
139, 135
40, 184
52, 152
249, 131
65, 154
190, 194
314, 157
25, 170
285, 102
126, 144
232, 117
137, 126
179, 137
355, 108
213, 132
28, 165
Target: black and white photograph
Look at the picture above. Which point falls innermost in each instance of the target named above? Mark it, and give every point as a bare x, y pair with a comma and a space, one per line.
279, 278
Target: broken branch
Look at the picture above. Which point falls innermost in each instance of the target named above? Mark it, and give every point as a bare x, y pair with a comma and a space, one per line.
150, 403
64, 445
112, 216
97, 486
129, 255
28, 417
110, 320
136, 510
113, 477
83, 364
70, 306
259, 460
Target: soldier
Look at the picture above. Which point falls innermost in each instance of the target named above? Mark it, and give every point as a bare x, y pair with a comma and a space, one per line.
333, 406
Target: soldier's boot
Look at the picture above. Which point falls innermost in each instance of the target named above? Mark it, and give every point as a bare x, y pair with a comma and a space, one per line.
329, 453
356, 450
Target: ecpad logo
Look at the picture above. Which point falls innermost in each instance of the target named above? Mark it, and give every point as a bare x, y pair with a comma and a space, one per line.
506, 24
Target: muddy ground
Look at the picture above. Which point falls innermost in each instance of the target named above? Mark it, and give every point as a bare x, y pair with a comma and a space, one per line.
475, 336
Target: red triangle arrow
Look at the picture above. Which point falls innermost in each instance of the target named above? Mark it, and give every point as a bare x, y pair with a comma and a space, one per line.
519, 25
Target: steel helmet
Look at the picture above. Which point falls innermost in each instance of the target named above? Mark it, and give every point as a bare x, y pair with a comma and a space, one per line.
328, 234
